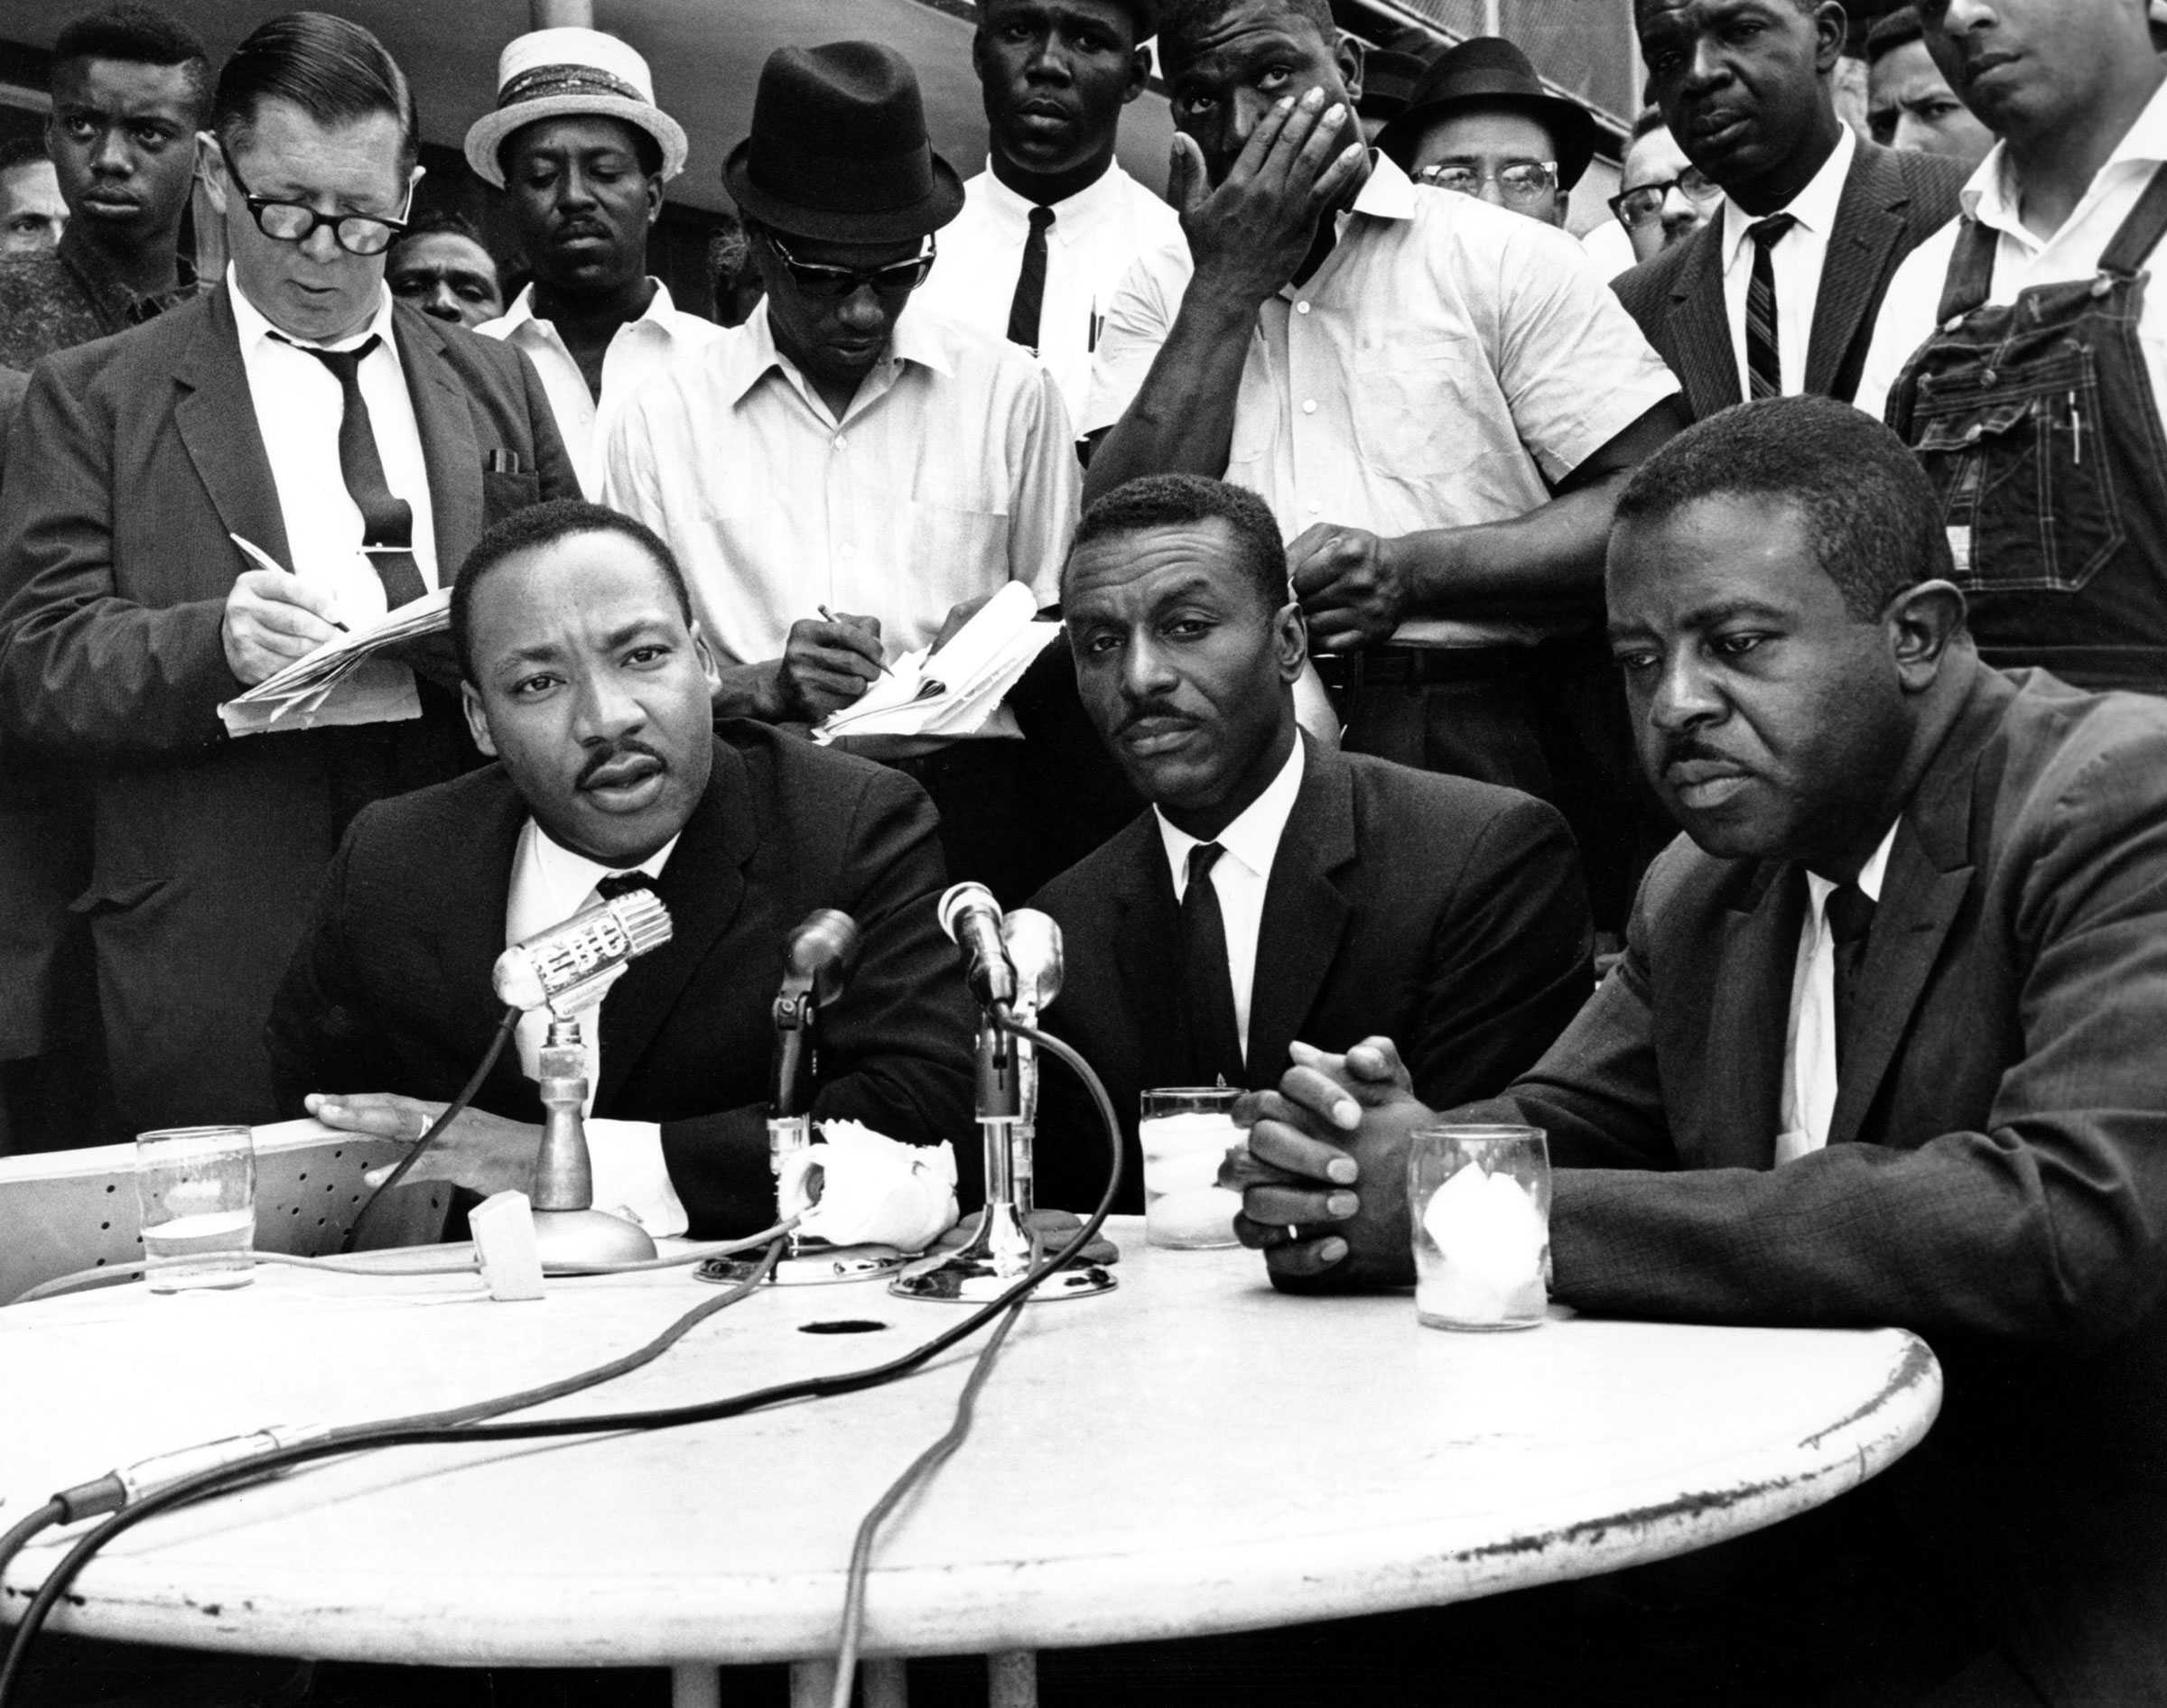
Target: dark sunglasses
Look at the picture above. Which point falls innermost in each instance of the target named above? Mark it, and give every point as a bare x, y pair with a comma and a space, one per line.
834, 283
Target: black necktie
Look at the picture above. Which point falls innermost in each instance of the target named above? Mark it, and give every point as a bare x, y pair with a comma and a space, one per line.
1207, 987
622, 884
386, 519
1030, 283
1763, 372
1850, 918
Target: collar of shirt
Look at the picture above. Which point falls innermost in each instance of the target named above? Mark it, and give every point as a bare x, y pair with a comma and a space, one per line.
661, 317
1076, 220
1387, 192
550, 883
1253, 838
749, 355
1870, 877
118, 305
1814, 207
255, 329
1992, 196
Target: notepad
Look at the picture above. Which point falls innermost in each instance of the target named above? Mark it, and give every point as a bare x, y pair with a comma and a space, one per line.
345, 680
952, 691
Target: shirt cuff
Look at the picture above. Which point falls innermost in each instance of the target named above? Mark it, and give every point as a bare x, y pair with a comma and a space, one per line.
630, 1177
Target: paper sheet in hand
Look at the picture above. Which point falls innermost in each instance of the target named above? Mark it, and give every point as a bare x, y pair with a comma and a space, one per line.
344, 680
978, 666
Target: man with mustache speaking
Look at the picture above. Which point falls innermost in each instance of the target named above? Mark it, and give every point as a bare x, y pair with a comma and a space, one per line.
1884, 1049
588, 679
1777, 294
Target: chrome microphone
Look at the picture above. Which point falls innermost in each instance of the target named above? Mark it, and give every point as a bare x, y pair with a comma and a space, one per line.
819, 956
1033, 942
972, 918
569, 967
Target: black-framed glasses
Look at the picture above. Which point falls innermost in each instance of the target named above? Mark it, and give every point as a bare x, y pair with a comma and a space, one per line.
1516, 180
296, 221
835, 283
1644, 203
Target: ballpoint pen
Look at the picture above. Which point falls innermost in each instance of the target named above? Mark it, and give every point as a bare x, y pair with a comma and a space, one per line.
265, 561
827, 616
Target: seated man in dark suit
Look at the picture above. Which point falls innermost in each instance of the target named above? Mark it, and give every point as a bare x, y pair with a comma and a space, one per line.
1885, 1048
588, 679
1344, 889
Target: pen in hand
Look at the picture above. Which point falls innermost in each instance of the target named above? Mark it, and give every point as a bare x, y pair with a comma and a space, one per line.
826, 616
264, 561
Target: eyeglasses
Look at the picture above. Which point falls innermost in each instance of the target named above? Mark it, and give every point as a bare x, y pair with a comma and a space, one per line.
1516, 181
1644, 203
834, 283
296, 221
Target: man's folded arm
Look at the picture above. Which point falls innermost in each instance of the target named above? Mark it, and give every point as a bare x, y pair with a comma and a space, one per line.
83, 670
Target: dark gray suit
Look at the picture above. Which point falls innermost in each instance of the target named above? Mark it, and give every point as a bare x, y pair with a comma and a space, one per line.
1892, 202
132, 461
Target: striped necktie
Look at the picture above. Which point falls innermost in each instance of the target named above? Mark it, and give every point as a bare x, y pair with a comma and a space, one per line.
1763, 370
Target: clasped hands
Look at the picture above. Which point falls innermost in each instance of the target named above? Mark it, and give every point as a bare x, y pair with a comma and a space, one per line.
1323, 1177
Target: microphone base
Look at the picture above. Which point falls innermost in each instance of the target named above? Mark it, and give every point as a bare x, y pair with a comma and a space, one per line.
569, 1240
811, 1266
967, 1278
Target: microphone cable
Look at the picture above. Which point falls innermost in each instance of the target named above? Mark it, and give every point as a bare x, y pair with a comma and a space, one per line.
430, 1430
453, 1111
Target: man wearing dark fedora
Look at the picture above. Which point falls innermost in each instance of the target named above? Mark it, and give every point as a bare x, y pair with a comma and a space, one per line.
1481, 122
845, 480
581, 152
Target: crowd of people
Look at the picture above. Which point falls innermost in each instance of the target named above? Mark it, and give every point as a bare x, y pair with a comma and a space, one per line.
1423, 574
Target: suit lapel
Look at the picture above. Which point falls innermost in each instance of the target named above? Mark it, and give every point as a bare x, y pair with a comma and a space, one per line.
1147, 939
1749, 1020
445, 420
469, 930
1305, 910
1862, 248
703, 886
1700, 327
215, 416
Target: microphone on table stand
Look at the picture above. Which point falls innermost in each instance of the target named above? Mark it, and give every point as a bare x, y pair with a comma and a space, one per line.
1015, 970
568, 970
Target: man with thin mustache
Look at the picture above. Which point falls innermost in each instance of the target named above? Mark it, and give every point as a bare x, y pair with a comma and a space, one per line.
1777, 293
581, 152
1883, 1050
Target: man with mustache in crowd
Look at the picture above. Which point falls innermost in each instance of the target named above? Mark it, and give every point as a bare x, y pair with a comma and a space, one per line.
1883, 1050
1276, 888
1049, 228
1777, 293
581, 152
1438, 398
2024, 355
440, 264
588, 678
358, 446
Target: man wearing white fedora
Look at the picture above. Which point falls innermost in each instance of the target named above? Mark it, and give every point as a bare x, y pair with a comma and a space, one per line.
581, 152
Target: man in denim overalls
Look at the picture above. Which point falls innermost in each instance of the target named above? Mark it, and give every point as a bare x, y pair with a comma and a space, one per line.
2021, 355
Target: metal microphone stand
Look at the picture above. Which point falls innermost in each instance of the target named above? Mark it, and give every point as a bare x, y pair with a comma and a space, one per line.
570, 1232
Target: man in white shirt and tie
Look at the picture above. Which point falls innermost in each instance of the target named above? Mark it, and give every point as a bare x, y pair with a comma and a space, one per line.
581, 152
1052, 224
359, 448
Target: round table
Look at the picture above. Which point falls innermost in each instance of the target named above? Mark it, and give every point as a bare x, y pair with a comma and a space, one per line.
1189, 1454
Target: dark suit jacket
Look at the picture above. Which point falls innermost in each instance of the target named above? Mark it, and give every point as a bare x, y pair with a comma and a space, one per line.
1997, 1179
1892, 202
130, 461
390, 991
1445, 912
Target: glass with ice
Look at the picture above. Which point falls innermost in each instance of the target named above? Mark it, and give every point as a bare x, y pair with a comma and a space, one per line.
195, 1187
1479, 1201
1186, 1132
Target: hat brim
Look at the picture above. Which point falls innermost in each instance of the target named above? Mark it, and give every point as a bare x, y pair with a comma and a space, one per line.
1572, 124
825, 225
486, 136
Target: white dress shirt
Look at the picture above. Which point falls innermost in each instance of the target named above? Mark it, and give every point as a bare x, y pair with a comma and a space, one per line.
1810, 1082
639, 351
953, 472
550, 884
1096, 235
1241, 875
298, 408
1795, 258
1909, 313
1447, 364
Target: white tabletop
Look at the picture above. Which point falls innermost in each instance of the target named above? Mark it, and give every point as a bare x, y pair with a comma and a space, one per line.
1190, 1452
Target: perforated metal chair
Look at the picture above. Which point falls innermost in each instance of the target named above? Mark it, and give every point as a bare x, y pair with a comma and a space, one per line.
65, 1211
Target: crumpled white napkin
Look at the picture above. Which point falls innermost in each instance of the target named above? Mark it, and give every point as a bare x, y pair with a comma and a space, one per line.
862, 1188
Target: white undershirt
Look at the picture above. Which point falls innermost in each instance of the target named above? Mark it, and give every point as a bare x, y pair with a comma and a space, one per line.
550, 884
1242, 874
1809, 1082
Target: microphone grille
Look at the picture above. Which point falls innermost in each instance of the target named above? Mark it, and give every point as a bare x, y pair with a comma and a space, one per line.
645, 921
958, 897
